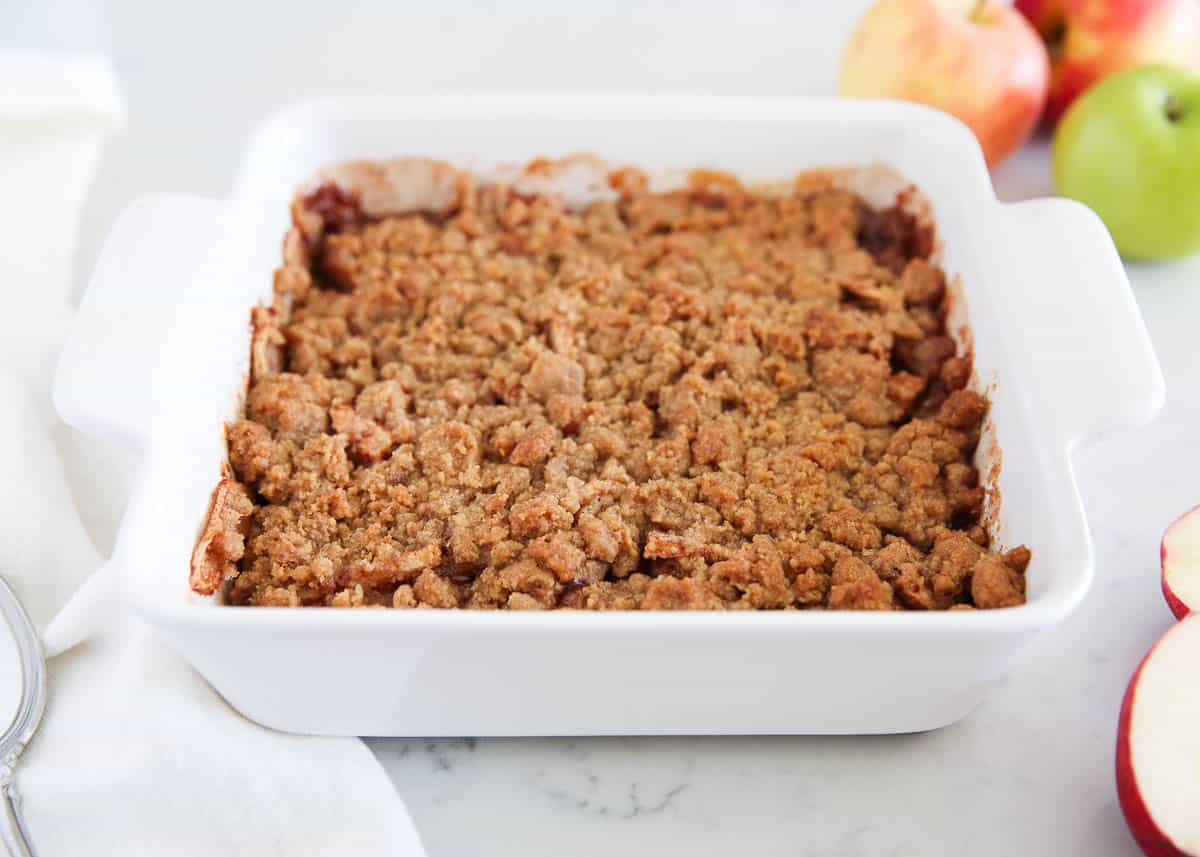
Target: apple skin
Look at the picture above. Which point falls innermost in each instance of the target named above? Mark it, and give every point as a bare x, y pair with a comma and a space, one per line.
1177, 605
1137, 817
1047, 16
1091, 39
982, 62
1152, 841
1118, 151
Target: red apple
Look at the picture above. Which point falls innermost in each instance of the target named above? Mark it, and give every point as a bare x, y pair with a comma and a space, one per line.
1091, 39
1181, 564
1158, 746
976, 59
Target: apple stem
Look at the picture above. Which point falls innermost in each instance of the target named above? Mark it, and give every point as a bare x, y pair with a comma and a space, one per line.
1056, 34
1172, 108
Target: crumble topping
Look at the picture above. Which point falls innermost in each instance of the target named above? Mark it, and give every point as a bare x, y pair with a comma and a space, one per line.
710, 398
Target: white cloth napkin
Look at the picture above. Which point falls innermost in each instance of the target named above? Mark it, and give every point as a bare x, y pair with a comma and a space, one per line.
136, 754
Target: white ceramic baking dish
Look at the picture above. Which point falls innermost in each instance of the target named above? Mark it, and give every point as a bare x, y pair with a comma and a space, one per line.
159, 355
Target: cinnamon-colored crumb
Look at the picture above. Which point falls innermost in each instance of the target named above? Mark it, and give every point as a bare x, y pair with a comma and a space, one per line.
223, 541
711, 398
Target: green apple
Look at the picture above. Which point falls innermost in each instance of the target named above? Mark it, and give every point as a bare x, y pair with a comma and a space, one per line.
1130, 149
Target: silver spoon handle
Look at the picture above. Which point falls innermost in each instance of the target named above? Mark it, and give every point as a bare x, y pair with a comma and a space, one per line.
14, 833
33, 677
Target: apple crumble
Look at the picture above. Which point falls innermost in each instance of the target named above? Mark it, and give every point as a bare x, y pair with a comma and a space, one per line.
475, 395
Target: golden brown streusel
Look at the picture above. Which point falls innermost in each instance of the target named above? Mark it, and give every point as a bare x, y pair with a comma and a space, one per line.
712, 398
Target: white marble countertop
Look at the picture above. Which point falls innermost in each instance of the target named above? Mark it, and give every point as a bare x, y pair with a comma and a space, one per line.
1029, 773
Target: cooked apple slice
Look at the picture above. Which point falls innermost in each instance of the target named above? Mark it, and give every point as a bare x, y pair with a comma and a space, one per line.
1181, 564
1158, 746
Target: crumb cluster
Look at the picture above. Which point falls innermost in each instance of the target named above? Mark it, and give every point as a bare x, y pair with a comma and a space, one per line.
710, 398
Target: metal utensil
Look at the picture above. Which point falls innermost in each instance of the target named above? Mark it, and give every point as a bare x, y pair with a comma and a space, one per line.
14, 833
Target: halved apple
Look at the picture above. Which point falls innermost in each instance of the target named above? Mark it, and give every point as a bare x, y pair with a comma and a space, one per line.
1181, 565
1158, 746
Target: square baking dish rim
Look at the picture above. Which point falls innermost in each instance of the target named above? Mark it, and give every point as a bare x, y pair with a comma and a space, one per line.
1100, 383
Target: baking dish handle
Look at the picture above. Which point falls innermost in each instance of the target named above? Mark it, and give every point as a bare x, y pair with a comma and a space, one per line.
1094, 353
104, 383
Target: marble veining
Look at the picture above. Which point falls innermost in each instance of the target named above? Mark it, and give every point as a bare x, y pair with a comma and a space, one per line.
1027, 774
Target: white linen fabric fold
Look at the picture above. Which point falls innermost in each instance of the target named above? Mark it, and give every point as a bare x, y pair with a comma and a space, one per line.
136, 753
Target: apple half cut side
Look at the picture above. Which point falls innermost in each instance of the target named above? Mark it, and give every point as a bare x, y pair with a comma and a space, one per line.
1181, 564
1158, 746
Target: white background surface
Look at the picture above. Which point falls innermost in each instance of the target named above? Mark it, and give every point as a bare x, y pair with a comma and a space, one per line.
1028, 774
